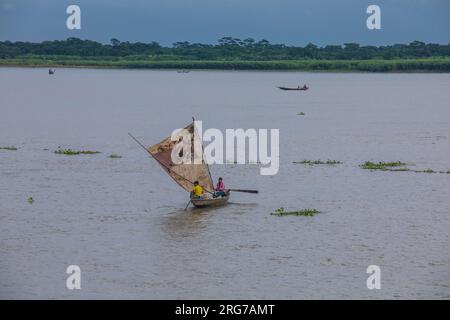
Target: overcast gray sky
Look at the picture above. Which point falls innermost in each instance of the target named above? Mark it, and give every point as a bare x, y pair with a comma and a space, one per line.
280, 21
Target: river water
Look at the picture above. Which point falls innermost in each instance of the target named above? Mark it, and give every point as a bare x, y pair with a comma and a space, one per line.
122, 221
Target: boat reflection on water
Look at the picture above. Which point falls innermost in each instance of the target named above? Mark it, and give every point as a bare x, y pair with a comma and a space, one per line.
184, 224
188, 223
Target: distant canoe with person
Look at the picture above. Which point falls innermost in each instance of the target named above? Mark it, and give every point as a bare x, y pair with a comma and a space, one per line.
304, 88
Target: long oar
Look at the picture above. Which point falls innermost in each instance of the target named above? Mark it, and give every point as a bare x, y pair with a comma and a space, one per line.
243, 190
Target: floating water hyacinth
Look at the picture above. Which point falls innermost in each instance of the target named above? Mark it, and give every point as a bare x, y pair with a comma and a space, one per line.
9, 148
395, 166
304, 212
386, 166
71, 152
318, 162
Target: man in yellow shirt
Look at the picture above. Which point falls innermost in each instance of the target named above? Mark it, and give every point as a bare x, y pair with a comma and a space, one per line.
198, 191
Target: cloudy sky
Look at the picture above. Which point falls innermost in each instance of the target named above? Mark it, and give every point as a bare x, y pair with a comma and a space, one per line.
280, 21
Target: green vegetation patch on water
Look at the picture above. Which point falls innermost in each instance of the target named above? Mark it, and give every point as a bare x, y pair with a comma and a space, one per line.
9, 148
304, 212
385, 166
395, 166
431, 171
318, 162
71, 152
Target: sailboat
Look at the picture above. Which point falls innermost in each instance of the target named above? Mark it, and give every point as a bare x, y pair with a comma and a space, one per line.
185, 174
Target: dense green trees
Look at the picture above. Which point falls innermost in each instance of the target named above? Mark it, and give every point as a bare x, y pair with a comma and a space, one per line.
229, 53
77, 47
227, 49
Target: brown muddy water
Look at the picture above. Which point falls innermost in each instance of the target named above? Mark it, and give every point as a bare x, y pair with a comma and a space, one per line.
122, 220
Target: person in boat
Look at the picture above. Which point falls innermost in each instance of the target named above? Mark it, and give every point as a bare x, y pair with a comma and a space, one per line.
220, 188
198, 192
305, 87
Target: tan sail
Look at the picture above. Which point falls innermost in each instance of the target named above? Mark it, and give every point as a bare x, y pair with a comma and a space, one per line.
183, 174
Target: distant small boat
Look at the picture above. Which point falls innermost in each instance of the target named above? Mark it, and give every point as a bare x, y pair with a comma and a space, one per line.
51, 71
304, 88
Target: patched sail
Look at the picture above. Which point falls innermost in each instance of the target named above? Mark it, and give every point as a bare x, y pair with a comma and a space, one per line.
185, 173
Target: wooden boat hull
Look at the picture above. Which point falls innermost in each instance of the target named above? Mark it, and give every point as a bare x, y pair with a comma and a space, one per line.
213, 202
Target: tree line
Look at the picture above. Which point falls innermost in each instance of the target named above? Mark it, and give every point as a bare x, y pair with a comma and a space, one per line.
226, 49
